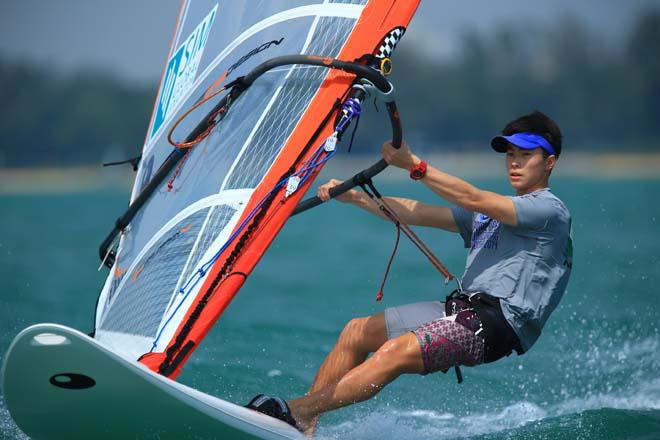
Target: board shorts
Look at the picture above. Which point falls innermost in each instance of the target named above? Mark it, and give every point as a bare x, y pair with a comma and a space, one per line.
445, 341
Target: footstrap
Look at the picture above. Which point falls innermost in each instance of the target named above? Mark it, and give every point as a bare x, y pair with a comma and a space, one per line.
274, 407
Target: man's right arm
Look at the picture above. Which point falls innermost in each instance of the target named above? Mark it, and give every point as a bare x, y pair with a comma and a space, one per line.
411, 212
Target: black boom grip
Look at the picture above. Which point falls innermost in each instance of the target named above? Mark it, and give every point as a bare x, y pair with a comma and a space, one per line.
364, 175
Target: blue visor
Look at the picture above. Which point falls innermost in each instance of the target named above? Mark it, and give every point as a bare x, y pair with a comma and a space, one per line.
526, 141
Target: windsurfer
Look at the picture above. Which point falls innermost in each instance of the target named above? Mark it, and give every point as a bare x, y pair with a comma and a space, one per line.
518, 265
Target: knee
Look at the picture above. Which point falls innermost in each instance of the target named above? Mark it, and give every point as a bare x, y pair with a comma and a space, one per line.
352, 334
360, 337
393, 350
401, 354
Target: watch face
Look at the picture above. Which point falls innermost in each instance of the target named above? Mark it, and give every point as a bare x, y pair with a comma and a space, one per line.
418, 171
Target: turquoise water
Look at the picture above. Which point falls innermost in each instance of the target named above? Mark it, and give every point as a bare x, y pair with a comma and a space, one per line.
594, 374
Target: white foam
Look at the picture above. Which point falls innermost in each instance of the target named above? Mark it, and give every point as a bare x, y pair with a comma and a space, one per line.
8, 428
274, 373
429, 424
642, 398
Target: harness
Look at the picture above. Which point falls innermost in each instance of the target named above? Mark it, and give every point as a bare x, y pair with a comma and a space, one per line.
500, 339
456, 302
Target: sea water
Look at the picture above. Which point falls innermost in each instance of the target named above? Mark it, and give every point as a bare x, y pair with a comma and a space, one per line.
593, 374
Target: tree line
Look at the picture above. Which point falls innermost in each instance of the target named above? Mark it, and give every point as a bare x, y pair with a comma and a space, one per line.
605, 97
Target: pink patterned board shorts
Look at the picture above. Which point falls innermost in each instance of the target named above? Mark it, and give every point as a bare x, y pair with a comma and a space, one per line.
450, 341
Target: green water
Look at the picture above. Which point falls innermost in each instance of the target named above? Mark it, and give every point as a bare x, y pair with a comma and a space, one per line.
593, 374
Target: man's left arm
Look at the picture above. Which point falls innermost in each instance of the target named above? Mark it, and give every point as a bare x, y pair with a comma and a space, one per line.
455, 190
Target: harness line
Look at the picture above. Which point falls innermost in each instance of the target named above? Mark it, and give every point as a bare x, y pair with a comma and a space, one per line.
387, 210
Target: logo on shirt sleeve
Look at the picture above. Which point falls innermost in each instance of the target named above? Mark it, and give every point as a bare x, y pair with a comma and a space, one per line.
485, 232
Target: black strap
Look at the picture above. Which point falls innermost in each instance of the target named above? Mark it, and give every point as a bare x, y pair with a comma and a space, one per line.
459, 374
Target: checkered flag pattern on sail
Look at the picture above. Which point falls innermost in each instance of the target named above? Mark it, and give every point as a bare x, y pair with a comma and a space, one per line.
389, 42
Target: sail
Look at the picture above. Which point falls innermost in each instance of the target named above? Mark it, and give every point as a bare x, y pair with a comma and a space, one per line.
202, 229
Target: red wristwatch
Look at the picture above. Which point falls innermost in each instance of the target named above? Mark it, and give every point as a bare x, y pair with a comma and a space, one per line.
418, 171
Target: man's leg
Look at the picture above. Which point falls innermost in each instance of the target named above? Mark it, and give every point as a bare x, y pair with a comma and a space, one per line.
394, 357
360, 337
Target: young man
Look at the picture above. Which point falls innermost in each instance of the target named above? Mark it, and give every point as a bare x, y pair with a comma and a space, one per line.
518, 265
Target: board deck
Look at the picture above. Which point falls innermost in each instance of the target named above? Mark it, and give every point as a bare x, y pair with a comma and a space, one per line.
60, 383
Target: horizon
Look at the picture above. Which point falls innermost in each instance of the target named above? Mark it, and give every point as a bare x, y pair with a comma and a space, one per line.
610, 166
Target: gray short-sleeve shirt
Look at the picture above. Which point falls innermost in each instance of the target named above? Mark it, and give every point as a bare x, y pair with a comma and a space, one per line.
527, 266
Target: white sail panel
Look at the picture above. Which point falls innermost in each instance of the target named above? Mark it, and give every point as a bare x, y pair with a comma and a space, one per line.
162, 250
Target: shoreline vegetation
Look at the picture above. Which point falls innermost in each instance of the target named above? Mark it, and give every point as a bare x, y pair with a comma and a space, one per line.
604, 97
607, 166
